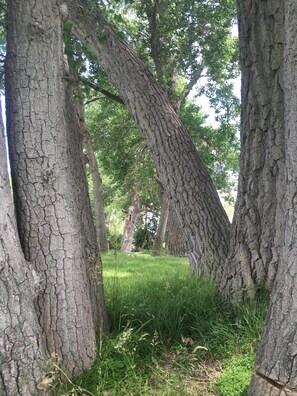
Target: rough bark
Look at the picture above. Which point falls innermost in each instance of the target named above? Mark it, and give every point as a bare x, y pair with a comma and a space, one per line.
23, 363
175, 244
130, 224
161, 230
204, 222
256, 234
276, 363
50, 190
97, 182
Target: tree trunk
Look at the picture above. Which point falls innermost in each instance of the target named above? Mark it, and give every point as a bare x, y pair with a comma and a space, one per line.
189, 188
276, 364
49, 183
175, 244
97, 182
256, 235
23, 361
130, 224
161, 230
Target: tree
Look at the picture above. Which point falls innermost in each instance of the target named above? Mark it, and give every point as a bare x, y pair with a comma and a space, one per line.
130, 224
256, 231
179, 167
276, 364
23, 361
49, 184
96, 179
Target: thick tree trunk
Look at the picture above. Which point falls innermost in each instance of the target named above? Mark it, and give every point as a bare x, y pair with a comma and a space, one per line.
276, 364
97, 183
256, 234
23, 361
49, 182
161, 230
175, 244
189, 188
130, 224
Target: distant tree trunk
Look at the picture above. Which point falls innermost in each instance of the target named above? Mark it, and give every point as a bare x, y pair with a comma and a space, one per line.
23, 362
161, 230
256, 235
190, 189
49, 182
276, 363
175, 244
97, 182
130, 224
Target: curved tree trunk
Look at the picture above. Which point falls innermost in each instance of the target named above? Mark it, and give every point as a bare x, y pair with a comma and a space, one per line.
130, 224
276, 364
203, 220
161, 230
49, 183
23, 363
175, 244
256, 234
97, 182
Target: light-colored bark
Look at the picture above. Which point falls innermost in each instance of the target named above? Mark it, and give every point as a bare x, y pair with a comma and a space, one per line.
23, 363
175, 244
276, 363
161, 230
97, 182
203, 221
256, 230
130, 224
49, 183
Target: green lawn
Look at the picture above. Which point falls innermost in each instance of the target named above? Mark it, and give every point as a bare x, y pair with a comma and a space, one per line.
170, 334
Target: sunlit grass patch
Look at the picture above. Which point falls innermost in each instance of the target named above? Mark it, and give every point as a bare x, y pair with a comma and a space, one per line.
170, 333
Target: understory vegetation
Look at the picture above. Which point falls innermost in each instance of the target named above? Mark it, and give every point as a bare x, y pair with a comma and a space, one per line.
170, 334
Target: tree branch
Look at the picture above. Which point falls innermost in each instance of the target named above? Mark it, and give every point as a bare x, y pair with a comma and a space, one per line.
104, 92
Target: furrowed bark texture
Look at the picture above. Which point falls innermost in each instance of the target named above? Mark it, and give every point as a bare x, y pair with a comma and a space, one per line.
190, 189
276, 363
161, 230
22, 359
49, 182
256, 234
130, 224
175, 244
97, 182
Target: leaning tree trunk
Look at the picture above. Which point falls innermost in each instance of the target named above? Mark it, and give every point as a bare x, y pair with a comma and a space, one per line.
175, 243
256, 234
276, 363
23, 363
130, 224
49, 184
97, 182
161, 230
189, 187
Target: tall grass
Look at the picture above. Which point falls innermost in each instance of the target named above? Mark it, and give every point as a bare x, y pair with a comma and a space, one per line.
170, 333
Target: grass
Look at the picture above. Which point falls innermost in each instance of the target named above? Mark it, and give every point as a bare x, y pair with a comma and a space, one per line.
170, 334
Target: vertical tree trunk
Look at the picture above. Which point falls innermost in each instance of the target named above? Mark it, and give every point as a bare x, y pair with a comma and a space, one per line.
161, 230
276, 365
256, 234
23, 361
97, 182
130, 224
175, 244
189, 188
49, 182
